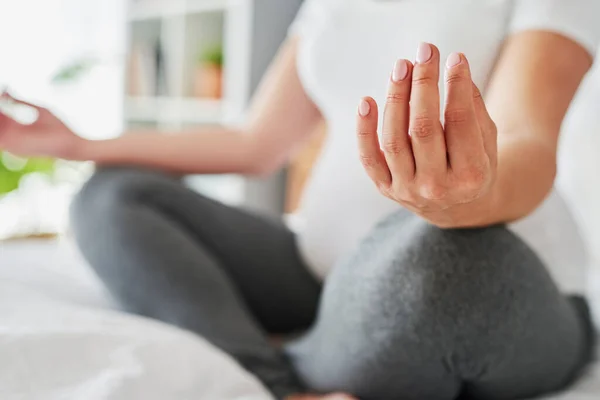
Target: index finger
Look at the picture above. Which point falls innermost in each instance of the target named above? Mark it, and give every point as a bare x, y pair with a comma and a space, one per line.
395, 140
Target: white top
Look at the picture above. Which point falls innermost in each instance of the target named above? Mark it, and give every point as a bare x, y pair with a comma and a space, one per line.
347, 51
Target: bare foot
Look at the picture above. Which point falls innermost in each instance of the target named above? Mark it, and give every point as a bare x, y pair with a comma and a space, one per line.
335, 396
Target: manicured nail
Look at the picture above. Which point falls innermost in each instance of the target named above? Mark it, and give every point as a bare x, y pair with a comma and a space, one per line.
400, 71
364, 108
453, 60
424, 53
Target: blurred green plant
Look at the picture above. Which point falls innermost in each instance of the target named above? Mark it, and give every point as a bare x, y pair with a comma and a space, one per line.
13, 169
74, 71
212, 56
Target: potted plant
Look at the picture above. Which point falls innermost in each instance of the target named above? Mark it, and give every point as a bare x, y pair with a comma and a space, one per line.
208, 76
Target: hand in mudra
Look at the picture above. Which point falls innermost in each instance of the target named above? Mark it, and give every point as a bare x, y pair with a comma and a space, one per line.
46, 136
436, 170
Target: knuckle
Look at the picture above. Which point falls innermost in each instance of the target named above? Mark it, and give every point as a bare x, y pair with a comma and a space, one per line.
384, 189
394, 146
493, 128
423, 80
397, 98
433, 190
422, 127
477, 93
457, 116
369, 161
456, 78
405, 193
412, 198
364, 134
473, 178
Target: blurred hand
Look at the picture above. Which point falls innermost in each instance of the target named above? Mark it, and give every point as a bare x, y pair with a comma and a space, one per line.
47, 136
437, 171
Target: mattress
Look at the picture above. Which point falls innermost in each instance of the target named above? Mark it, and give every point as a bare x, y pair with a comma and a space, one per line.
61, 338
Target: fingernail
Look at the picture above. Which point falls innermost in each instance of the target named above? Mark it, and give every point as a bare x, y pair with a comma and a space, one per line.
424, 53
400, 71
453, 60
364, 108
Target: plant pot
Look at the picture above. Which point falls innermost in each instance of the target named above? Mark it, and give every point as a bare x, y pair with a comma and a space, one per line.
208, 81
30, 237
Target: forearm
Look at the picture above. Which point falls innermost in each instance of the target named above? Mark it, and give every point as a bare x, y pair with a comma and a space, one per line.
280, 118
528, 97
211, 151
526, 174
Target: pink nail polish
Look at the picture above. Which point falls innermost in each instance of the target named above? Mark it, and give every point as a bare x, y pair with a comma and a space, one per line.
400, 71
424, 53
364, 108
453, 60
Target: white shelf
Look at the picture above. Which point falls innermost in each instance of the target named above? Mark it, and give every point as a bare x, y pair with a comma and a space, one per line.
141, 10
174, 110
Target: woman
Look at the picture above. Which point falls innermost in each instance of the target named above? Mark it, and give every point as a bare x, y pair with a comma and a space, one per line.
411, 308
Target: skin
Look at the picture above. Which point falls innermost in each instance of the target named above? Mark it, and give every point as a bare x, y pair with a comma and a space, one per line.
489, 162
431, 168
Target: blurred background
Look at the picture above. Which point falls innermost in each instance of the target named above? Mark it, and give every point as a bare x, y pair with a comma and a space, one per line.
105, 66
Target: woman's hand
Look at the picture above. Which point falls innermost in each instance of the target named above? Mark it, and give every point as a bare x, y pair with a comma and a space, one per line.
440, 172
47, 136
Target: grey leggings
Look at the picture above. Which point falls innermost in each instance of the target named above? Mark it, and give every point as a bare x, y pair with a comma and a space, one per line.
416, 313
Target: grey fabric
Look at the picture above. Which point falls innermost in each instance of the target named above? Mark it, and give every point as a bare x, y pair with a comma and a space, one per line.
415, 313
423, 313
168, 253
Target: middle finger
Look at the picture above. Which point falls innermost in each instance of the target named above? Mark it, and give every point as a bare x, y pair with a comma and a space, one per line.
427, 134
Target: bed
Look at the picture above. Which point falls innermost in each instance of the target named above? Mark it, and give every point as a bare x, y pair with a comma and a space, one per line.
61, 338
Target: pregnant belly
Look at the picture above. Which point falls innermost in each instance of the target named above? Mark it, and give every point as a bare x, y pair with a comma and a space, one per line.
340, 206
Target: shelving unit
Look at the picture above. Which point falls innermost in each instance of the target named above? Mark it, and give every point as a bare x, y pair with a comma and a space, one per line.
167, 111
165, 39
156, 9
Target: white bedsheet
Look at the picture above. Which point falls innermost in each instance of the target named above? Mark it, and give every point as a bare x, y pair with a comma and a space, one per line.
53, 350
60, 339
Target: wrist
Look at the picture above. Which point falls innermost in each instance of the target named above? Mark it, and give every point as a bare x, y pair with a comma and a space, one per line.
480, 212
80, 150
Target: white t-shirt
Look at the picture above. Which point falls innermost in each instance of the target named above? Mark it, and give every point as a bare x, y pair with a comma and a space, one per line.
347, 51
